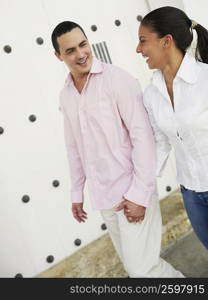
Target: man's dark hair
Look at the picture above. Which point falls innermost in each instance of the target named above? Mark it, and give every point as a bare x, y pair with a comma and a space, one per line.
62, 28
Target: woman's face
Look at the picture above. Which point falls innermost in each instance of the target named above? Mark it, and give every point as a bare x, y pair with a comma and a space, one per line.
152, 48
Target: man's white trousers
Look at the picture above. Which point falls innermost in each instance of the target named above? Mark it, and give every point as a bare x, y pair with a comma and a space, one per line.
138, 245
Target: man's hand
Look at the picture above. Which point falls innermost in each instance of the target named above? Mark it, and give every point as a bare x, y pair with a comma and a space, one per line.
133, 212
78, 212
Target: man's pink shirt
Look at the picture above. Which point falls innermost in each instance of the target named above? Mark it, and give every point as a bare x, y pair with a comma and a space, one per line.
108, 138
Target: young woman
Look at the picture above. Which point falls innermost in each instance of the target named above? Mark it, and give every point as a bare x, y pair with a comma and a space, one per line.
177, 103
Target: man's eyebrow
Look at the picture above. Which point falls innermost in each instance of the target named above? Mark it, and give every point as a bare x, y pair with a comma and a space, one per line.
84, 41
72, 48
69, 49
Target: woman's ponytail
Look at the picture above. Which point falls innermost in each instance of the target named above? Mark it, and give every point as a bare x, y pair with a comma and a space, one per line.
201, 53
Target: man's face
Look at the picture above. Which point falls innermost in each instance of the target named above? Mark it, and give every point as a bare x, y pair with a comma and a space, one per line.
75, 51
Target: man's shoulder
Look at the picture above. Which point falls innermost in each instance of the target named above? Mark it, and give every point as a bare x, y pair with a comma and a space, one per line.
118, 71
63, 91
120, 78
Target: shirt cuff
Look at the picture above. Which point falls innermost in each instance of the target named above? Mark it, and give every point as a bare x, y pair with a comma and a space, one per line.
140, 195
77, 196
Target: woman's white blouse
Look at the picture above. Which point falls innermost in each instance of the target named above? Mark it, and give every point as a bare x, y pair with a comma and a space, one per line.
186, 127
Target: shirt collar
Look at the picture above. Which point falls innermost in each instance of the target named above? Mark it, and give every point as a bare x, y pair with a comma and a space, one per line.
97, 67
188, 72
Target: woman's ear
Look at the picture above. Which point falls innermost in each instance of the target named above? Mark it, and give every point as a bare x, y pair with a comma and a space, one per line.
168, 40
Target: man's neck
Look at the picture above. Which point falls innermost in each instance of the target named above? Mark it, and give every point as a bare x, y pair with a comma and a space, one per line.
79, 77
79, 81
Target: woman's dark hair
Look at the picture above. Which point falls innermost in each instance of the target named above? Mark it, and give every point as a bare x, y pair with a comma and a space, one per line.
171, 20
62, 28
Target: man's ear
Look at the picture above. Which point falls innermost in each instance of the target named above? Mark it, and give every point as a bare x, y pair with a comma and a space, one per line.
58, 55
168, 40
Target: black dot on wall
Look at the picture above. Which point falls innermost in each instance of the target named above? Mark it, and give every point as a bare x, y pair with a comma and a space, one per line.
1, 130
39, 41
25, 198
32, 118
103, 226
117, 22
19, 275
77, 242
168, 188
139, 18
55, 183
7, 49
93, 27
50, 259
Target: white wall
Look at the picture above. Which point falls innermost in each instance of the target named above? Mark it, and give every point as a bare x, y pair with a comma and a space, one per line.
197, 10
159, 3
32, 154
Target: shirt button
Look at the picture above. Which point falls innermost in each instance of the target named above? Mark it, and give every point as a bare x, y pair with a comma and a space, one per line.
178, 135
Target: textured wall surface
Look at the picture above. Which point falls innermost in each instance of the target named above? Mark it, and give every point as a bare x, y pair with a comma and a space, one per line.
36, 222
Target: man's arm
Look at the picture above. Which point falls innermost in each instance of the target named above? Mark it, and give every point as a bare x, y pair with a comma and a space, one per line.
135, 118
77, 174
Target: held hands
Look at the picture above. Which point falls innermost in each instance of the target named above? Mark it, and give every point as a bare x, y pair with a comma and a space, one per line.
78, 212
133, 212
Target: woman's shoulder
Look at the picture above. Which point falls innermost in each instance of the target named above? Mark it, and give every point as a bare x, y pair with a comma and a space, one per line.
203, 67
202, 75
149, 93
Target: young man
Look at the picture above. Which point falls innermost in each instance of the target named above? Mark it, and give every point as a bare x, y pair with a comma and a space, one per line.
110, 143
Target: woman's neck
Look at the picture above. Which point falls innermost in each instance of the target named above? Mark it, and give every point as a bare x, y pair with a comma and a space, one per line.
173, 64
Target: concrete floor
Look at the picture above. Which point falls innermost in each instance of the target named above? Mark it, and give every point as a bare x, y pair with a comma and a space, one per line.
179, 245
189, 256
